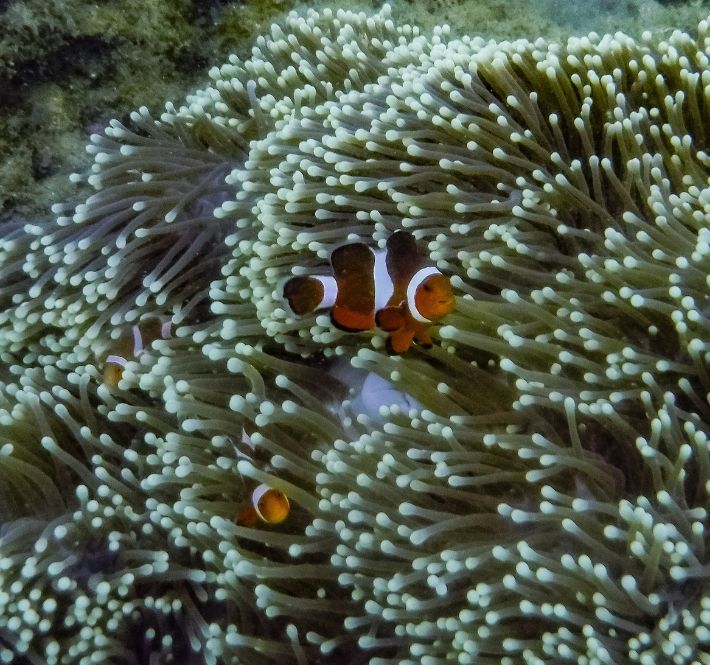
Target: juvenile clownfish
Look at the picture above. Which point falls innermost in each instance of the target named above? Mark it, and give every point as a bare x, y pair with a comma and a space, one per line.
131, 344
268, 505
392, 289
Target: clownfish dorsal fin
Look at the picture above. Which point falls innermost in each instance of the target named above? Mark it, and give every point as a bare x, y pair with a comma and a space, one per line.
403, 260
152, 328
353, 268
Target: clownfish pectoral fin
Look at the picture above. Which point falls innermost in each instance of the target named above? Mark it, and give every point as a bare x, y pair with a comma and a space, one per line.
304, 294
353, 268
247, 516
421, 336
400, 341
390, 319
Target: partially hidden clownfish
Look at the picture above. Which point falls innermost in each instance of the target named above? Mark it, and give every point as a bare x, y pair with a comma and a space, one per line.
390, 288
131, 344
267, 505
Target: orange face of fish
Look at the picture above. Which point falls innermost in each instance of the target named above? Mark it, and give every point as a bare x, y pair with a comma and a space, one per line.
112, 374
268, 505
434, 298
273, 507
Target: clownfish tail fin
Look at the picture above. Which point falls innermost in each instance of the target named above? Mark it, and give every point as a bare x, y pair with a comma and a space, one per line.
304, 294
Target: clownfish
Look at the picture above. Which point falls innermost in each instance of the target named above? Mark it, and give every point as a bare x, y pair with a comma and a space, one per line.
268, 505
131, 344
390, 288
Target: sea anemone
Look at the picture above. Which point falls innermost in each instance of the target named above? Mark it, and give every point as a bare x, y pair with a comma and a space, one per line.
534, 488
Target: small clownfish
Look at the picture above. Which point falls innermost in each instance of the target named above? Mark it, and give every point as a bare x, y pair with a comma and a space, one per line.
390, 288
131, 344
268, 505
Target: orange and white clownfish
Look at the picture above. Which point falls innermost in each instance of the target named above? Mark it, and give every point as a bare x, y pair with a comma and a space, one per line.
267, 505
131, 344
390, 288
